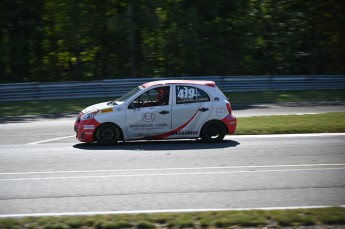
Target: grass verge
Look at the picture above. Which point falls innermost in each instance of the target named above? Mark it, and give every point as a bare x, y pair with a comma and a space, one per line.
76, 105
334, 216
292, 124
287, 96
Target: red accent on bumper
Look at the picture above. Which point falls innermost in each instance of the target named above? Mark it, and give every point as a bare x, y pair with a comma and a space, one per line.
231, 122
86, 134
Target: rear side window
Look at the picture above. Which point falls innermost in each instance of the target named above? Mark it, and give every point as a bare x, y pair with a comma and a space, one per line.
187, 94
221, 92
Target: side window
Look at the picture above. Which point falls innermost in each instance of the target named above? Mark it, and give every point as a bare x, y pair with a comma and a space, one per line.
203, 96
154, 97
186, 94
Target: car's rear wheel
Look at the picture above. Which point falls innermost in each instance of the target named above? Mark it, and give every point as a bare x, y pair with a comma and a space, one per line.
108, 134
213, 131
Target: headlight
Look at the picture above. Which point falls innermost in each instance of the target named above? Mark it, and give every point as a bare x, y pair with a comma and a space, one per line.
88, 116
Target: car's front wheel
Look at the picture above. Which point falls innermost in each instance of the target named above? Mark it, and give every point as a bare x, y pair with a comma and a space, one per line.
108, 134
213, 131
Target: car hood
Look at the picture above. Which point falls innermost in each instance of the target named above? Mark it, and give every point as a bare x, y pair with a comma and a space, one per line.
98, 106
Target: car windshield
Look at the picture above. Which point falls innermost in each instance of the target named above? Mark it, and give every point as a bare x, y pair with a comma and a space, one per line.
129, 94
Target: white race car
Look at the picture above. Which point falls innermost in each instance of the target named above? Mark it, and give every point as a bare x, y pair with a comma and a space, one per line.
165, 109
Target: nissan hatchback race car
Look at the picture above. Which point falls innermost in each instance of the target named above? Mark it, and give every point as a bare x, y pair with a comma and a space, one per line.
165, 109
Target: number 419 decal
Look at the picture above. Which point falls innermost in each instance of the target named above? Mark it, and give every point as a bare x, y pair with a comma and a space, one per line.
185, 93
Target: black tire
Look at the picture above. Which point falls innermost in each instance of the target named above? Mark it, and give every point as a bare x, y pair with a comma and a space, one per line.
108, 134
213, 131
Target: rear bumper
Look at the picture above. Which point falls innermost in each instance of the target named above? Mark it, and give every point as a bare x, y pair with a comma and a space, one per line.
231, 123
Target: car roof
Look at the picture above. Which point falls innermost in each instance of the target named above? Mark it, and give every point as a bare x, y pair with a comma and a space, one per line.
168, 82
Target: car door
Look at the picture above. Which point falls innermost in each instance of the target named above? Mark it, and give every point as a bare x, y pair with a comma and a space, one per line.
149, 115
192, 107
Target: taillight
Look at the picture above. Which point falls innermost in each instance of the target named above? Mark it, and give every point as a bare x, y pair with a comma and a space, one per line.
229, 107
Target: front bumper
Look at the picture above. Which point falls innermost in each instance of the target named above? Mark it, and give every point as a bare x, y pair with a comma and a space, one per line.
85, 129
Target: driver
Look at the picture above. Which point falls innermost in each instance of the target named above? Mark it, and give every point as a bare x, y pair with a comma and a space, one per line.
163, 96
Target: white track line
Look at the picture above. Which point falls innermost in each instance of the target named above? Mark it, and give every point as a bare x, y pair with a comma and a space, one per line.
168, 174
50, 140
177, 169
158, 211
228, 137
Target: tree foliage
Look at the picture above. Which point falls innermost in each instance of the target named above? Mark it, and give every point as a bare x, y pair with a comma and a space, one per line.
47, 40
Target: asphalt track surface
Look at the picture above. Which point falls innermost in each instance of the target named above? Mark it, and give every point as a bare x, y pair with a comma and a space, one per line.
44, 170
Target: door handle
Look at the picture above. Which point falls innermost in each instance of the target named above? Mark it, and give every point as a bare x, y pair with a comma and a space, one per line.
203, 109
164, 112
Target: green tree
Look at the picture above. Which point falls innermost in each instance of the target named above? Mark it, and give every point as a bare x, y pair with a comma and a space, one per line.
47, 40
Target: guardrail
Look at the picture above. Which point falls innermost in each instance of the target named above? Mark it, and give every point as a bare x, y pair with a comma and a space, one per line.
117, 87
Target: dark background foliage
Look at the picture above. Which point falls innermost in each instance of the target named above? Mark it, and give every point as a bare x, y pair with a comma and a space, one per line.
48, 40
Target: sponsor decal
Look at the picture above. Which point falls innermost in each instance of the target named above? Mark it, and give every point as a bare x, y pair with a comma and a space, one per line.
88, 133
216, 99
89, 127
161, 124
220, 111
148, 117
107, 110
119, 109
202, 99
148, 126
194, 132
